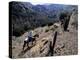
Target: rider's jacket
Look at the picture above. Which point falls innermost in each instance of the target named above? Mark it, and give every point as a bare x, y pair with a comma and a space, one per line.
30, 34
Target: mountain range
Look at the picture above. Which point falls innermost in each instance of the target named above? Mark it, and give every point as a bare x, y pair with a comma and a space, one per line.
26, 16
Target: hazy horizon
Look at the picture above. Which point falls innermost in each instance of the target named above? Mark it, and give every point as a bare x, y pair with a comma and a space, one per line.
45, 2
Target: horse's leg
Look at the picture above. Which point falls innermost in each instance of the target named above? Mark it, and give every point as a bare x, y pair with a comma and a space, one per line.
35, 41
32, 42
27, 44
24, 44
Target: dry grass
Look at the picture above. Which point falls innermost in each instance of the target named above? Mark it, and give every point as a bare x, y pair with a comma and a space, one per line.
66, 43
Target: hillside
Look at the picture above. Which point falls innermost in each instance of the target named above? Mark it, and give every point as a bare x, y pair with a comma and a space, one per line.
26, 16
56, 25
66, 44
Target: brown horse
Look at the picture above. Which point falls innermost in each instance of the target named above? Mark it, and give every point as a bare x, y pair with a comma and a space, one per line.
31, 40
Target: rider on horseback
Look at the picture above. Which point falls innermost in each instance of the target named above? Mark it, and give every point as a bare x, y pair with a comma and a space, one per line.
30, 35
28, 39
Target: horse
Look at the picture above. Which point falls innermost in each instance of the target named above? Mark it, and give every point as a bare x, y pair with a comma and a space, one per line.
31, 40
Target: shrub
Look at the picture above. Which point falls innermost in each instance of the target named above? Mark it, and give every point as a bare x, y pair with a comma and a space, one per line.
63, 15
18, 31
46, 30
26, 28
52, 29
43, 25
49, 24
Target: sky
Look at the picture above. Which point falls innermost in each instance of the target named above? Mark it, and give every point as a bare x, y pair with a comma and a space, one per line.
40, 1
34, 2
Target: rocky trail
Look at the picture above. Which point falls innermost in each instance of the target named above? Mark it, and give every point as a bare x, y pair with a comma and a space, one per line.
66, 44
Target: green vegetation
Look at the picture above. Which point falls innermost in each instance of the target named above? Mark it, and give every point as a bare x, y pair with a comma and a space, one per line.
46, 30
49, 24
18, 31
52, 29
26, 16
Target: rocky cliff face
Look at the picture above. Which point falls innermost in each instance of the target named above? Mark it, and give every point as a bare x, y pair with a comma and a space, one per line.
74, 19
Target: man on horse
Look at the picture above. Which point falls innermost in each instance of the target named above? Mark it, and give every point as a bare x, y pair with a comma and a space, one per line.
30, 35
28, 39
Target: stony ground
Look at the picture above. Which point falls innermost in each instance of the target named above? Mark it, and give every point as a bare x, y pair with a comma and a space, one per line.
66, 43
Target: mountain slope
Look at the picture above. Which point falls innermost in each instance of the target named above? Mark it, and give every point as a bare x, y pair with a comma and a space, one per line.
26, 16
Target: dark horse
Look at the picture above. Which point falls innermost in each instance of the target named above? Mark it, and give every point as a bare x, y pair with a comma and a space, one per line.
30, 40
